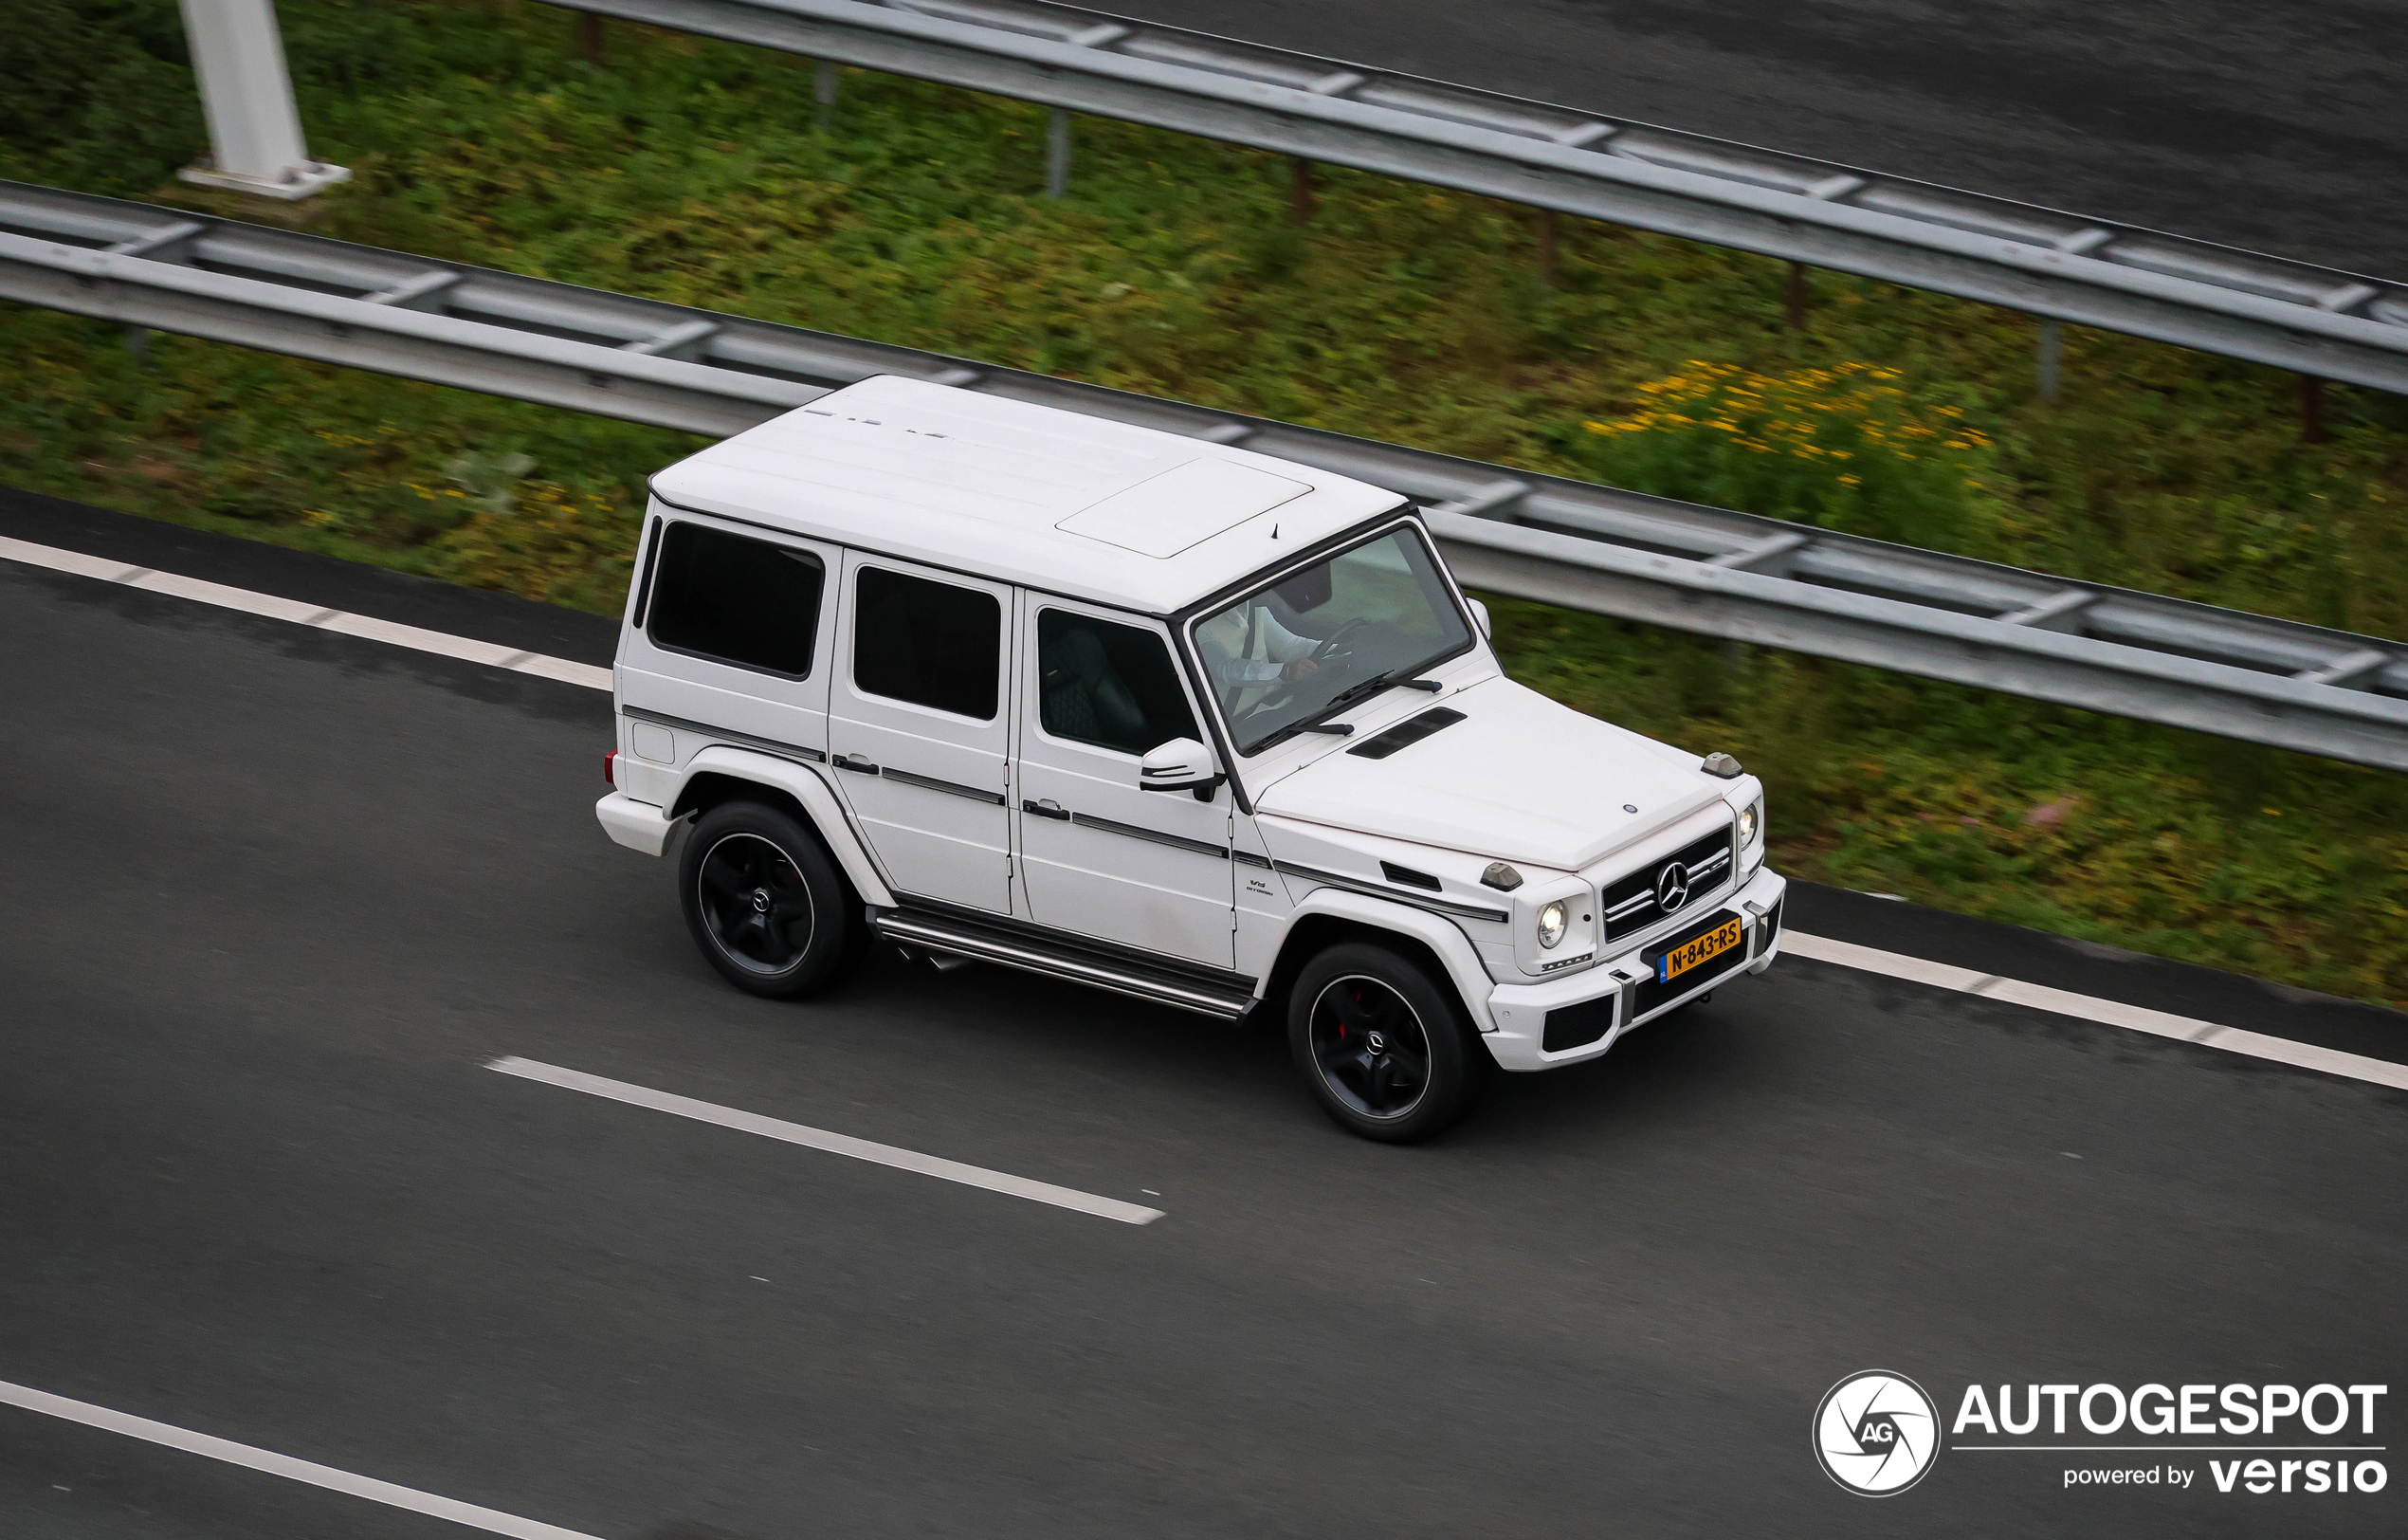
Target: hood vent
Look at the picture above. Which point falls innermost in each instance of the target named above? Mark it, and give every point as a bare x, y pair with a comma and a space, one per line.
1406, 733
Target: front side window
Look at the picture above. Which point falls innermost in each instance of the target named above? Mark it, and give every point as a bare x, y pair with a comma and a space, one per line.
752, 603
1301, 648
1107, 684
931, 644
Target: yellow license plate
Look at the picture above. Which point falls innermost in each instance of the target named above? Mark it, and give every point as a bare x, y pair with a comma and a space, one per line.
1699, 949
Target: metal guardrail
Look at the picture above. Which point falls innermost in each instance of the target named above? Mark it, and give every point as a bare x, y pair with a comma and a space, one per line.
2121, 277
1673, 565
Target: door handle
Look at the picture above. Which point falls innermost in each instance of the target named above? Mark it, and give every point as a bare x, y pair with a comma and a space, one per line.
1047, 809
846, 762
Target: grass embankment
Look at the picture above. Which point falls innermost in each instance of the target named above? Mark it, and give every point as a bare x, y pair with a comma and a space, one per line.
692, 173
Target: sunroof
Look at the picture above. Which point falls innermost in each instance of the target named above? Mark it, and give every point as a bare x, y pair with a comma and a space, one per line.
1185, 505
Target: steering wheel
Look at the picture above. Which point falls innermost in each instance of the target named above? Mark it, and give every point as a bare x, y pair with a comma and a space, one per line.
1329, 644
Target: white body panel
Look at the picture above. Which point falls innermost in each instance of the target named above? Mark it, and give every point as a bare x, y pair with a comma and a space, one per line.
1526, 779
934, 813
1086, 865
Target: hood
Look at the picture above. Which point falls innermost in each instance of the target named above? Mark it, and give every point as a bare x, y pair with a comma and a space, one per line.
1521, 779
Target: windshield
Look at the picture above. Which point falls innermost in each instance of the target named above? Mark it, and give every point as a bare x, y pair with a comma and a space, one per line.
1291, 650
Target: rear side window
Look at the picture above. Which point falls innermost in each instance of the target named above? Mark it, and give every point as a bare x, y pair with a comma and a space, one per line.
739, 600
1107, 684
931, 644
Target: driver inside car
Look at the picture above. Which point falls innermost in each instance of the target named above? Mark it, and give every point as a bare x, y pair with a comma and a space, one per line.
1252, 648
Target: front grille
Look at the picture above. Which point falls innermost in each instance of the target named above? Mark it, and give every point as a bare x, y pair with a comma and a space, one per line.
1631, 904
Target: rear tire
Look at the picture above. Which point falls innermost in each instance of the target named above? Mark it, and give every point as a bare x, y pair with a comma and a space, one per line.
1383, 1046
766, 904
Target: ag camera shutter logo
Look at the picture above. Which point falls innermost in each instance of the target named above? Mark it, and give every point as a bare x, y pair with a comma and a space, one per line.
1876, 1433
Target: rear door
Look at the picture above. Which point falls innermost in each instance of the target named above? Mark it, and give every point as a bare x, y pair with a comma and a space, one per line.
1098, 856
919, 727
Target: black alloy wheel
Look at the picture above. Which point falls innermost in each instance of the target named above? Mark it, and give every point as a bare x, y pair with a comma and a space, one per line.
1370, 1046
1383, 1046
765, 901
754, 902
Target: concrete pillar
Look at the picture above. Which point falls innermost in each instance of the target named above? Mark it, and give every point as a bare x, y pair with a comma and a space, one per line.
255, 134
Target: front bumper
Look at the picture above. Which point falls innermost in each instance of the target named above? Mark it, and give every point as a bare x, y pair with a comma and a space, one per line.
1595, 1007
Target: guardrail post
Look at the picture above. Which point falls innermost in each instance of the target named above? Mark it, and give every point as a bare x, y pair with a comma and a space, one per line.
823, 90
592, 42
1546, 248
1057, 153
2311, 410
1299, 191
247, 94
2052, 351
1796, 296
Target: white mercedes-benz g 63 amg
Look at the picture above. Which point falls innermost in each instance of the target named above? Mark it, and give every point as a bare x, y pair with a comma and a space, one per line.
1000, 681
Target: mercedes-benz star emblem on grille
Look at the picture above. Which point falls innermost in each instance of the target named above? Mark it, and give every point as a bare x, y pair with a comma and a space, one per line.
1671, 886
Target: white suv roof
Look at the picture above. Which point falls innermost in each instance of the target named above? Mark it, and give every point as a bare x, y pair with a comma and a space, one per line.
1025, 494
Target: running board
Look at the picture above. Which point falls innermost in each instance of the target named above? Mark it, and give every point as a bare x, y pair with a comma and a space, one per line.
963, 938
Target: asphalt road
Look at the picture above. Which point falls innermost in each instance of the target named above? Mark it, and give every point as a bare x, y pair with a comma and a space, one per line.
273, 898
2276, 127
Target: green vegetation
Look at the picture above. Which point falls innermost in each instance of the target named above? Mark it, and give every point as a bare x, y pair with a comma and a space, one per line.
693, 173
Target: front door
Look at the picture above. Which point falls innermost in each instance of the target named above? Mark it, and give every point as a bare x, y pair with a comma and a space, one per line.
918, 728
1098, 856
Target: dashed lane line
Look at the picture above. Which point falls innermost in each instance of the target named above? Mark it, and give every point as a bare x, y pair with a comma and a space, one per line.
416, 638
834, 1144
1846, 953
490, 1520
2091, 1008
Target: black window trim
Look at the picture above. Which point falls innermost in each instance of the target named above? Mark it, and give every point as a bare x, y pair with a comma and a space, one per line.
851, 606
643, 622
644, 582
1167, 636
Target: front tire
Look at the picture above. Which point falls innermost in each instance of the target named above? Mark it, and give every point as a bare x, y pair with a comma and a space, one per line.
765, 901
1384, 1047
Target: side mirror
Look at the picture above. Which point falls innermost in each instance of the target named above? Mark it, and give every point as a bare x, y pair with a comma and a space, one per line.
1180, 765
1480, 615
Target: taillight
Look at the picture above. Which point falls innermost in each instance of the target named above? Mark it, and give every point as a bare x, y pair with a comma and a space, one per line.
610, 767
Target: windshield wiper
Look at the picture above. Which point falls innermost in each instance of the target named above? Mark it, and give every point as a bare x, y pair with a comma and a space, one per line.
1372, 686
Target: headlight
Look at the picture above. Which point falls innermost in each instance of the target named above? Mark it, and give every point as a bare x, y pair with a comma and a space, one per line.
1551, 925
1751, 817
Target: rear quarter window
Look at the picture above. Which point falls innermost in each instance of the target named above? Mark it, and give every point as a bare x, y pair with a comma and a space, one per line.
736, 600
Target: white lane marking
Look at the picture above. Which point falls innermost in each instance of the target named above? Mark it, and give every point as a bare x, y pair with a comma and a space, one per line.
2091, 1008
285, 1465
413, 637
834, 1144
1847, 954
